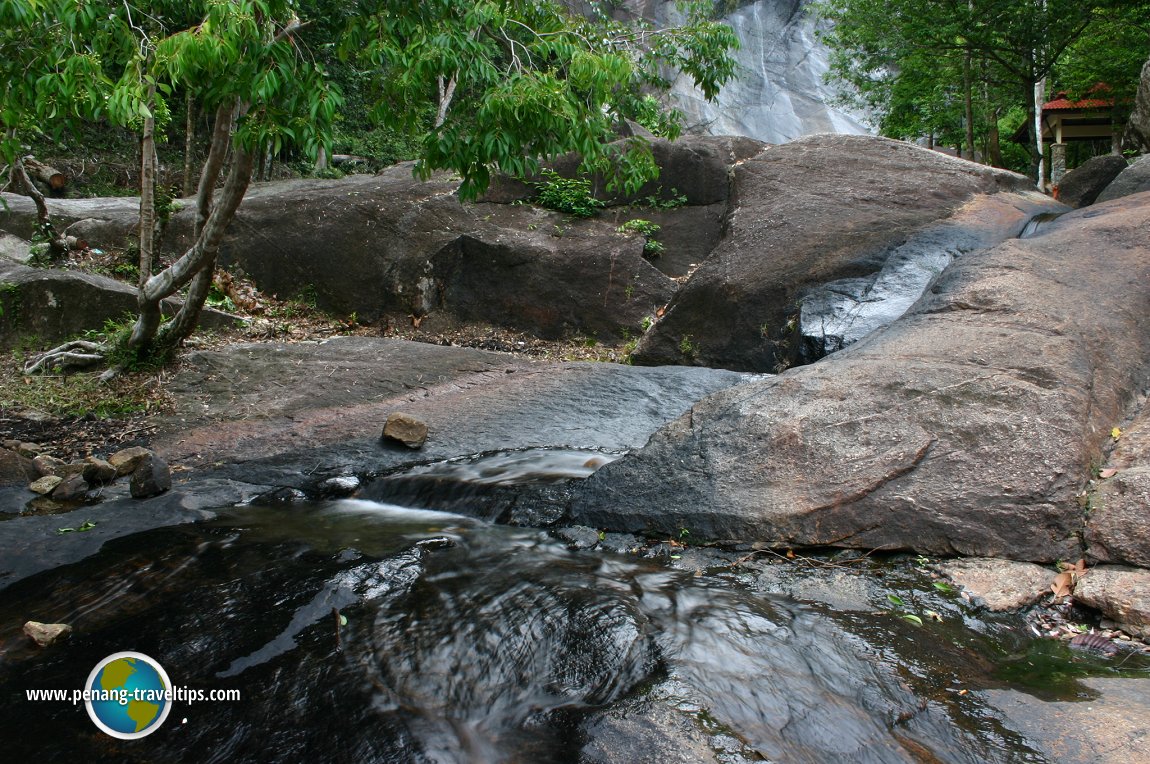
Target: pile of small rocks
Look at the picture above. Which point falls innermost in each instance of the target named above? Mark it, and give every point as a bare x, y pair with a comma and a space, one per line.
72, 481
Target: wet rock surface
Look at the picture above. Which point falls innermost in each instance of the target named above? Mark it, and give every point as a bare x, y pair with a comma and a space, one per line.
807, 214
551, 654
1000, 584
1112, 726
967, 427
271, 413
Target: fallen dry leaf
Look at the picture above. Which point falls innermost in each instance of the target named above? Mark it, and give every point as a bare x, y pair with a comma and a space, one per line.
1109, 472
1063, 584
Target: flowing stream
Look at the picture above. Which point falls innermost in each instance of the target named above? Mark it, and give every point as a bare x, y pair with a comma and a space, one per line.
363, 631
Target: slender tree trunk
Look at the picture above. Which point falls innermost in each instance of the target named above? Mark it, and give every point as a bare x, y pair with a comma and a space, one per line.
1040, 152
968, 103
993, 147
148, 191
199, 258
20, 183
189, 144
446, 95
196, 264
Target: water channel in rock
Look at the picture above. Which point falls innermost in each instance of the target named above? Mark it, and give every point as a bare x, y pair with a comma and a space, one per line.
364, 631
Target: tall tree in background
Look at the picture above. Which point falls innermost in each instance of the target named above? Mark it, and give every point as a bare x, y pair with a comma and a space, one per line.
52, 75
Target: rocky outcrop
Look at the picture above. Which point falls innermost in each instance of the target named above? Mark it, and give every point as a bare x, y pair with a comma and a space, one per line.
396, 247
112, 221
819, 220
1082, 185
1117, 521
1133, 180
40, 306
1137, 136
967, 427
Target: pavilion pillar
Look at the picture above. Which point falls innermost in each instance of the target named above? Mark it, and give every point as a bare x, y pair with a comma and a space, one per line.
1057, 163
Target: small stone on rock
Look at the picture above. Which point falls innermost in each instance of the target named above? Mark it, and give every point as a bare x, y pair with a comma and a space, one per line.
44, 634
405, 429
29, 450
98, 471
151, 477
126, 460
72, 488
45, 485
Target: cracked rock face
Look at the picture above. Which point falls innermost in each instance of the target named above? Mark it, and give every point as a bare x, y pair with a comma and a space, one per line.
968, 426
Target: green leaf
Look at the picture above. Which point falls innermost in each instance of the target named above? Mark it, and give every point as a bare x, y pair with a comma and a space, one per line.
911, 617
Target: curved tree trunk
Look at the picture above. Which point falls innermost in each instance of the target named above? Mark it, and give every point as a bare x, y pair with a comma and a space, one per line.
198, 258
21, 183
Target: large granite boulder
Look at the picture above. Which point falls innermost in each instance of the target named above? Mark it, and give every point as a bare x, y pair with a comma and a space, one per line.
970, 426
112, 221
1082, 185
819, 211
40, 307
390, 246
1133, 180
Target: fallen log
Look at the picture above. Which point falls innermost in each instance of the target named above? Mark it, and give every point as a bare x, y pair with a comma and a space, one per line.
50, 176
338, 159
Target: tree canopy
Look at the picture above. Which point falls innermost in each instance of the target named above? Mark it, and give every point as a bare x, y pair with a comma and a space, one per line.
953, 68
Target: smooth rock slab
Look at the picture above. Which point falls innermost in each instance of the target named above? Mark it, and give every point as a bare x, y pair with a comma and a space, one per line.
1112, 728
1000, 584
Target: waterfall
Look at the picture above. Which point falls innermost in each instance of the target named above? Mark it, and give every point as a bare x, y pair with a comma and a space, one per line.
779, 92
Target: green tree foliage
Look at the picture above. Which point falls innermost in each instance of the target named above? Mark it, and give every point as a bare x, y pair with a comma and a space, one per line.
503, 84
915, 63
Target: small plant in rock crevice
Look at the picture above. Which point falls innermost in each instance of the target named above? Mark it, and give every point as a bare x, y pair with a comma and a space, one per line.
645, 228
571, 195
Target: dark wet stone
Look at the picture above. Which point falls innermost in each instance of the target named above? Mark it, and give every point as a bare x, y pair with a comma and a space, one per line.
578, 536
72, 488
151, 477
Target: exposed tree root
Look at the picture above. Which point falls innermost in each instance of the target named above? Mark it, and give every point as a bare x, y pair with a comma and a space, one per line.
78, 355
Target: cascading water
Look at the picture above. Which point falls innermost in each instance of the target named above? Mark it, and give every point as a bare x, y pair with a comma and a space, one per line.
780, 91
357, 630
